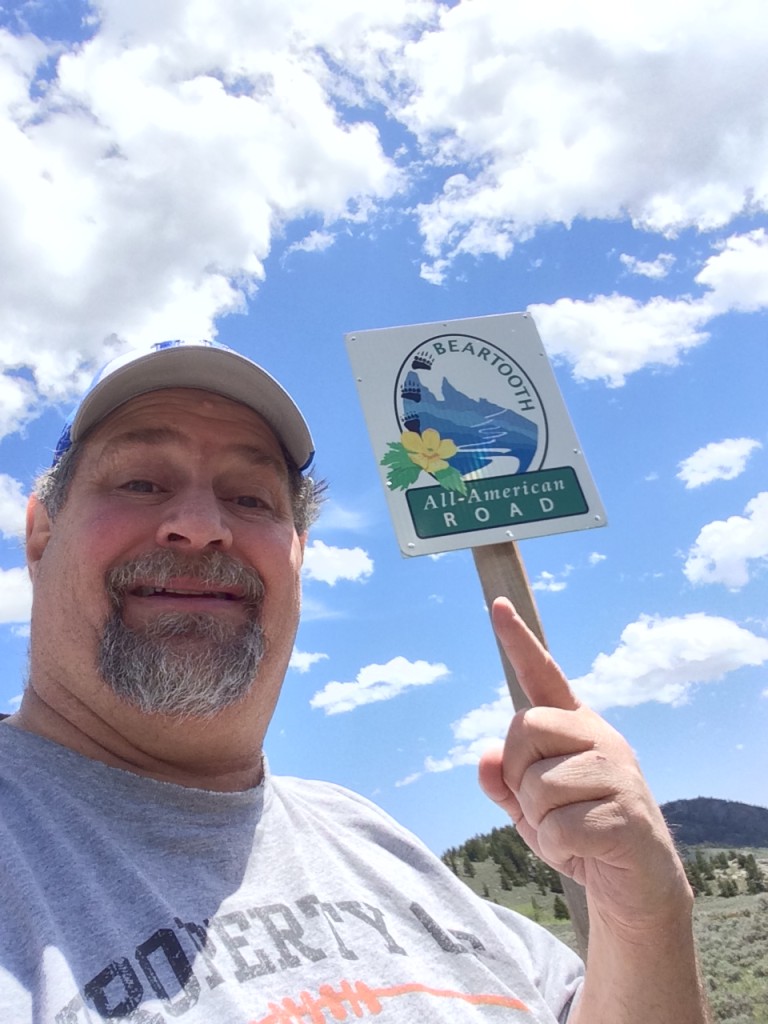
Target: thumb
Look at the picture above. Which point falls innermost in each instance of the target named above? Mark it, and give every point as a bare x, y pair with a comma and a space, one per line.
490, 772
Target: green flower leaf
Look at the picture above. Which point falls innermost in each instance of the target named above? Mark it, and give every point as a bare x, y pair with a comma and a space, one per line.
397, 457
402, 471
451, 480
402, 478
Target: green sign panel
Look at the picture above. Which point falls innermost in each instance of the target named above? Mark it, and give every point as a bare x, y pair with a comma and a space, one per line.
501, 501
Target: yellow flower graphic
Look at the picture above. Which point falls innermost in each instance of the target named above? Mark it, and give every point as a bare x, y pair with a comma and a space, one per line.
427, 450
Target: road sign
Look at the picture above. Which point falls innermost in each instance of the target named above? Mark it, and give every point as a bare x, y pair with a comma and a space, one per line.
471, 434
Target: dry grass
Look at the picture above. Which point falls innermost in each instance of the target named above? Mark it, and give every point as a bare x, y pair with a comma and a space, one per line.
731, 933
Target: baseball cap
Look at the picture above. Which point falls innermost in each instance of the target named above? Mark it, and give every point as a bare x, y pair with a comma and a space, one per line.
206, 365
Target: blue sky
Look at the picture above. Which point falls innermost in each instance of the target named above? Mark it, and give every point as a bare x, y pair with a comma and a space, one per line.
279, 175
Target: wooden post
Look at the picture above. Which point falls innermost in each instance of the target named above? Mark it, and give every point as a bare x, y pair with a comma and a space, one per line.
502, 574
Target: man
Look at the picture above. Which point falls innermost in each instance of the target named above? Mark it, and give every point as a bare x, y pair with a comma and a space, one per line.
153, 869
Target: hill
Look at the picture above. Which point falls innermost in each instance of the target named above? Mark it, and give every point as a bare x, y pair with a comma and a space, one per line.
720, 841
706, 821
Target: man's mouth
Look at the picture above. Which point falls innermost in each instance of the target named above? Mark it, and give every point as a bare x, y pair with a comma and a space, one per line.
167, 581
219, 595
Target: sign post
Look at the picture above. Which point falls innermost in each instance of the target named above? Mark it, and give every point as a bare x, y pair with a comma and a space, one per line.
476, 449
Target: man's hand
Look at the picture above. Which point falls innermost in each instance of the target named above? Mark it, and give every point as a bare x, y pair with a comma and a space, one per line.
573, 787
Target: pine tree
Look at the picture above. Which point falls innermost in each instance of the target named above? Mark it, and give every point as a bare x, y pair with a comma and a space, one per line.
561, 909
756, 881
476, 849
697, 881
541, 878
727, 887
555, 883
704, 864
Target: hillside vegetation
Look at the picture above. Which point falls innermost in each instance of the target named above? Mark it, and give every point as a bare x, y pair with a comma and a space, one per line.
730, 882
717, 822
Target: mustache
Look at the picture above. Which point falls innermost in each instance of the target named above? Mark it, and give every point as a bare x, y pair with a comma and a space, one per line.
212, 569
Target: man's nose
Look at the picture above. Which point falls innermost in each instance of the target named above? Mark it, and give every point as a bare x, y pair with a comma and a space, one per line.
194, 520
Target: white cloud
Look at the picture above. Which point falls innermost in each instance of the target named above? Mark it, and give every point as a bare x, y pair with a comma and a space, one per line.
18, 400
724, 548
376, 683
474, 733
13, 704
596, 558
657, 268
313, 610
302, 661
549, 582
720, 460
334, 516
653, 111
145, 184
489, 721
141, 188
657, 660
738, 274
315, 241
662, 659
13, 505
613, 335
15, 595
329, 564
409, 779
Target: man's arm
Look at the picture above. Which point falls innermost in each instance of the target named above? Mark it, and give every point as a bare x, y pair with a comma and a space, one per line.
574, 789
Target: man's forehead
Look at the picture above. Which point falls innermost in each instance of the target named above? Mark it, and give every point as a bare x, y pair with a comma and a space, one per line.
149, 437
183, 416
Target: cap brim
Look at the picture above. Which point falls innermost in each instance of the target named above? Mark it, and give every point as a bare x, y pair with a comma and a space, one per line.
217, 370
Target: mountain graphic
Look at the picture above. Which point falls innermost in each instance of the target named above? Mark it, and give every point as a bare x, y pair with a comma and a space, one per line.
478, 428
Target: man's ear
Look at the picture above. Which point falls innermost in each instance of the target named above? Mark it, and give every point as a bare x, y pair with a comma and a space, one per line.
38, 533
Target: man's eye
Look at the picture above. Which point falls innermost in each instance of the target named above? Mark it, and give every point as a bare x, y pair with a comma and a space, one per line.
140, 487
251, 501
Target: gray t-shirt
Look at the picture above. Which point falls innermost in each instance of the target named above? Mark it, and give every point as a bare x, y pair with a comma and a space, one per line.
296, 902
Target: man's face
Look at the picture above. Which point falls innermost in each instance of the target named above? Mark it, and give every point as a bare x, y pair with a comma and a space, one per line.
172, 572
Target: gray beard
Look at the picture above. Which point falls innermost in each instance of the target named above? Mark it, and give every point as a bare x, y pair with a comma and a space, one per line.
182, 664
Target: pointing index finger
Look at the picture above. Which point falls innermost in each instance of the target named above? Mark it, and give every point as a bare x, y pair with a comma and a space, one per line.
537, 672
